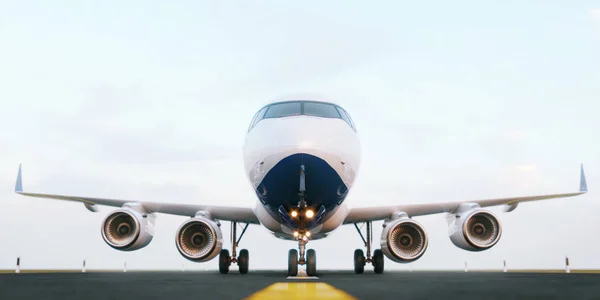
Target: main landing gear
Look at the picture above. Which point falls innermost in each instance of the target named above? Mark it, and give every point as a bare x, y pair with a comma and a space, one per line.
359, 257
225, 260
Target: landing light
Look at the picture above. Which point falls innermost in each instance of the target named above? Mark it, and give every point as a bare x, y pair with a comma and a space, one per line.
295, 233
308, 233
310, 213
305, 238
294, 213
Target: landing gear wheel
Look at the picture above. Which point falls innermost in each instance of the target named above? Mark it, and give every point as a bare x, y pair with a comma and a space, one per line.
293, 262
224, 261
359, 261
378, 261
243, 261
311, 262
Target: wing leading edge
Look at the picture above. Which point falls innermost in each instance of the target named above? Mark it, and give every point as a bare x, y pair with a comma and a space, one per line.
225, 213
364, 214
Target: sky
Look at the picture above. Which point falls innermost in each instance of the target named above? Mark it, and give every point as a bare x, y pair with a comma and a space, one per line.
149, 100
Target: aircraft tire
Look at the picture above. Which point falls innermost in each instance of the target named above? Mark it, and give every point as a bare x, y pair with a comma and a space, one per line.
293, 262
224, 261
311, 262
378, 261
243, 261
359, 261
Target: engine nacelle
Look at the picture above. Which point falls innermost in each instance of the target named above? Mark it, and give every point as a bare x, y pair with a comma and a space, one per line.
474, 229
199, 239
403, 240
126, 229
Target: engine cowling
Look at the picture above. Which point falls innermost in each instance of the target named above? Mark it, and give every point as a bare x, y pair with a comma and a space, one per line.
127, 229
403, 240
475, 230
199, 239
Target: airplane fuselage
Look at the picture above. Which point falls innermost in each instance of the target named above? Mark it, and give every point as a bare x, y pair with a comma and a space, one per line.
278, 149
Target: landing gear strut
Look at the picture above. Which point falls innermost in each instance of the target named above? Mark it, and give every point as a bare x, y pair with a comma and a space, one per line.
242, 261
359, 257
302, 235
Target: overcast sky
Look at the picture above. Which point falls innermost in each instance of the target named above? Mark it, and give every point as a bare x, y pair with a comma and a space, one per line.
151, 101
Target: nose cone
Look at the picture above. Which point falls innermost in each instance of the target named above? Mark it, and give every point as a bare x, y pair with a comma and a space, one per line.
332, 140
316, 136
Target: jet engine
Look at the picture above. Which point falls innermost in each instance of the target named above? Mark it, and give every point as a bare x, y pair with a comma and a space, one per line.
127, 229
474, 229
403, 240
199, 239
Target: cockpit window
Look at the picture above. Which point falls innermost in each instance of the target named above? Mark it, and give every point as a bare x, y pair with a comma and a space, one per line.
346, 117
259, 115
320, 110
284, 110
296, 108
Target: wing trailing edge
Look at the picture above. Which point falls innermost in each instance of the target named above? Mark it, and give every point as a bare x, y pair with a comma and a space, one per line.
365, 214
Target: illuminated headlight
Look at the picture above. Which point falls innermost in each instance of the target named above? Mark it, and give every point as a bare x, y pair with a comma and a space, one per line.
310, 213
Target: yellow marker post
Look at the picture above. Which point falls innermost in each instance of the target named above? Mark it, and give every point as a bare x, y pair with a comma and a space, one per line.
300, 290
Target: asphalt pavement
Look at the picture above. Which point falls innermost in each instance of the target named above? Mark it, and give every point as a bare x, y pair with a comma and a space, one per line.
275, 285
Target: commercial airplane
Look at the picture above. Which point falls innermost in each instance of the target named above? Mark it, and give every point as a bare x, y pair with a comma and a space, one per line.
301, 158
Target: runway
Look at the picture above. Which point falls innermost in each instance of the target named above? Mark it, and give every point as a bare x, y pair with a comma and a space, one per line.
274, 285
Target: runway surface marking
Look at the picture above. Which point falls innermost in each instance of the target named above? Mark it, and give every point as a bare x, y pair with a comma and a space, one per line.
302, 275
300, 290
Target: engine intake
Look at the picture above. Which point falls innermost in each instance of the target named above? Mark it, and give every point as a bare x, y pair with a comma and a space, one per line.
199, 239
127, 230
403, 240
476, 230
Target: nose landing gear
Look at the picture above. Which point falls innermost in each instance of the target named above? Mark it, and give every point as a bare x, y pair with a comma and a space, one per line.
310, 260
303, 214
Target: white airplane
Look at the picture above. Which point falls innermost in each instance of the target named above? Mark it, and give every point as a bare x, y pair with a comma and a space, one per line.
301, 158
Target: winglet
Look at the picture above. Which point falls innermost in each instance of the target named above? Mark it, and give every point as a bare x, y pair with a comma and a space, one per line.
582, 182
19, 184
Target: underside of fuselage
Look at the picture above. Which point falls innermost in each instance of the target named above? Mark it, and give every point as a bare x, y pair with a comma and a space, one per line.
280, 190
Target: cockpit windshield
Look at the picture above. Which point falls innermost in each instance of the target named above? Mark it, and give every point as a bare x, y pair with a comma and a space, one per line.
297, 108
321, 110
284, 110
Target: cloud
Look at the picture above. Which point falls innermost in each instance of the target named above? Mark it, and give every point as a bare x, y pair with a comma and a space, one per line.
595, 13
526, 167
514, 135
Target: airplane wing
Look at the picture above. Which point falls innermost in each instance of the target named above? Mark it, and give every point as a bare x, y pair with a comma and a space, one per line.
225, 213
365, 214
